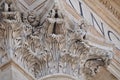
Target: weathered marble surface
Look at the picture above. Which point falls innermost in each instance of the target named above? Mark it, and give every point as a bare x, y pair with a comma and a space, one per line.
56, 45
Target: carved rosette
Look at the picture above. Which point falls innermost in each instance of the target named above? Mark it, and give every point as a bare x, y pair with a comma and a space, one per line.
53, 47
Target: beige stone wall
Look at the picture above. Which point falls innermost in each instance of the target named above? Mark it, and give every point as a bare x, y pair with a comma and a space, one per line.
10, 71
17, 75
6, 74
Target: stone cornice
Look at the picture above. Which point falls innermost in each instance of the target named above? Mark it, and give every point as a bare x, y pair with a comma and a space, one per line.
104, 13
113, 6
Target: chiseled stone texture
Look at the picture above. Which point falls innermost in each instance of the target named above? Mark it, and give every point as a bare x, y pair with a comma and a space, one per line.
40, 46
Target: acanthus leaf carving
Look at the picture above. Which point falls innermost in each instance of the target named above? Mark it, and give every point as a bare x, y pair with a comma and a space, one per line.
55, 46
4, 56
